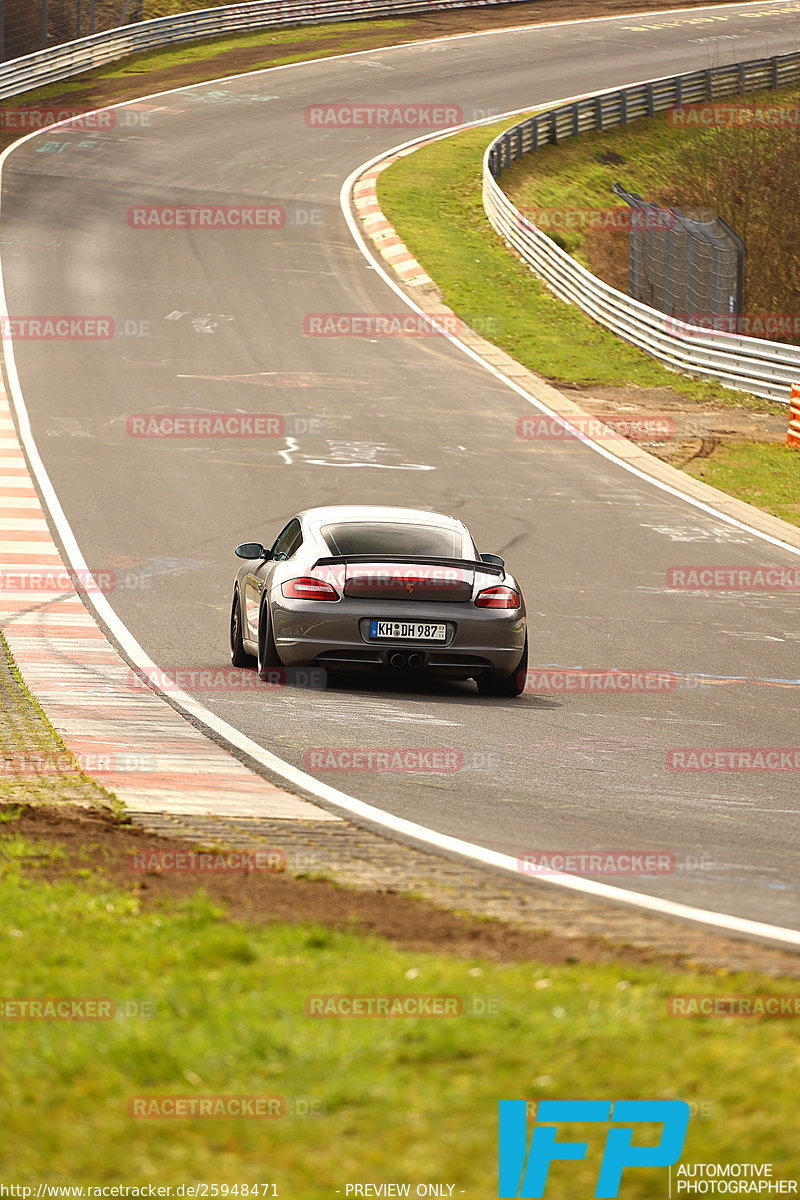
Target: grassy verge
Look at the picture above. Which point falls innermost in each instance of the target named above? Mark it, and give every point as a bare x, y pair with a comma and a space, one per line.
405, 1099
433, 198
766, 476
741, 166
579, 173
168, 8
335, 38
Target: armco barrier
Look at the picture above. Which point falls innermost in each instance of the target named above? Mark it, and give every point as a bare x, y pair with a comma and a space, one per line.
72, 58
765, 368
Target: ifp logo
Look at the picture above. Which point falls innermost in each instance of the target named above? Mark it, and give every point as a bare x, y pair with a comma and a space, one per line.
524, 1169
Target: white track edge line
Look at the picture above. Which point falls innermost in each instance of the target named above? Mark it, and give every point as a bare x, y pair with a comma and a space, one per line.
214, 724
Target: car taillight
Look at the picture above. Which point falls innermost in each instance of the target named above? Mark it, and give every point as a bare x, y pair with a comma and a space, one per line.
308, 588
498, 597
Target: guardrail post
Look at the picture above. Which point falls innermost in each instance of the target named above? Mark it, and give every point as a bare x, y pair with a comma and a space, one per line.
651, 100
716, 73
598, 113
576, 118
678, 81
741, 76
775, 72
554, 127
623, 106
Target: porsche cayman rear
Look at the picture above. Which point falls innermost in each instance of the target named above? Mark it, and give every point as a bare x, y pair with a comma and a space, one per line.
399, 589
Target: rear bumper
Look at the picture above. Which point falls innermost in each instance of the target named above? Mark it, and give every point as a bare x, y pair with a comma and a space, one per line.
335, 635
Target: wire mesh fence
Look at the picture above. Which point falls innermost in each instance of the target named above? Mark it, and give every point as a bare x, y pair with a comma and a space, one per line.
30, 25
682, 265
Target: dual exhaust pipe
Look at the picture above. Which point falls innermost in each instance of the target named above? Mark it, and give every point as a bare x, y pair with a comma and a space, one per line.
399, 660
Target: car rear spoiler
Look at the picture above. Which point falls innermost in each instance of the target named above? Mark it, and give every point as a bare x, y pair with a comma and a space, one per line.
414, 560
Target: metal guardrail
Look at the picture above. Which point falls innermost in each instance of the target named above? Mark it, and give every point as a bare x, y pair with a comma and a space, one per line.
755, 365
72, 58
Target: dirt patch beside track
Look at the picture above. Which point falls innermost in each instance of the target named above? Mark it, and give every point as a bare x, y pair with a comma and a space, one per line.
448, 907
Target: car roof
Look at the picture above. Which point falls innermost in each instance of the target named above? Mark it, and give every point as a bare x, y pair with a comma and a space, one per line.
366, 513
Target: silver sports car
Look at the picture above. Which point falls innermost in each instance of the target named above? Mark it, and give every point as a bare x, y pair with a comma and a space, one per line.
357, 587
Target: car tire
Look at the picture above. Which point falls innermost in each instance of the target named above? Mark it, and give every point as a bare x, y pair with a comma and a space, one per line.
491, 684
239, 656
268, 660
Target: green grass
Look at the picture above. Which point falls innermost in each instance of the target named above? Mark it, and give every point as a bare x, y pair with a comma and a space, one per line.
167, 8
572, 175
199, 51
433, 198
213, 56
407, 1099
765, 475
647, 156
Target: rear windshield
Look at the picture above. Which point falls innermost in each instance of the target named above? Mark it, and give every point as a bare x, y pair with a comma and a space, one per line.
386, 537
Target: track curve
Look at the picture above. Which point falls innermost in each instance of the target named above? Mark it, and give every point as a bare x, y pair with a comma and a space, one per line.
412, 421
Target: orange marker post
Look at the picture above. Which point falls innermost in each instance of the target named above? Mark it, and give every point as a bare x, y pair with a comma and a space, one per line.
793, 432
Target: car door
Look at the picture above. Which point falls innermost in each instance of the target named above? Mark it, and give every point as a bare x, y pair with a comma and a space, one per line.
257, 579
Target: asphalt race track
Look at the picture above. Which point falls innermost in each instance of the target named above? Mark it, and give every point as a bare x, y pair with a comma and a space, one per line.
400, 421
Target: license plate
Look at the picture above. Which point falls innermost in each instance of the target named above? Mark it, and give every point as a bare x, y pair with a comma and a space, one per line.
417, 631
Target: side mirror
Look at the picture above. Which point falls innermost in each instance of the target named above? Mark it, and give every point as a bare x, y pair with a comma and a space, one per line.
251, 550
494, 560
